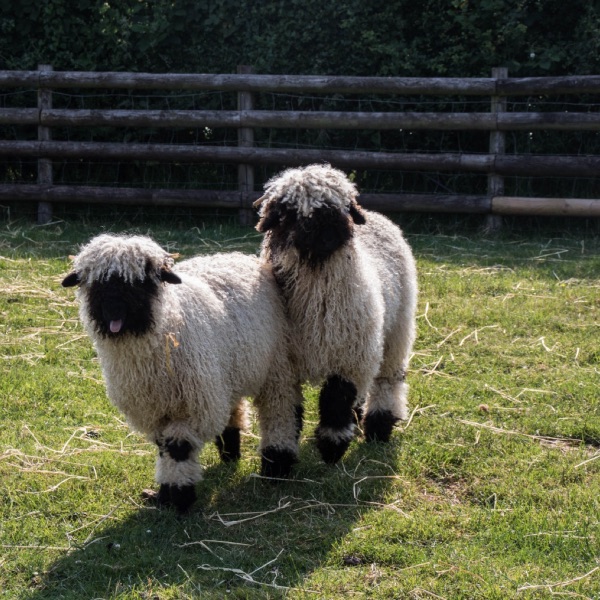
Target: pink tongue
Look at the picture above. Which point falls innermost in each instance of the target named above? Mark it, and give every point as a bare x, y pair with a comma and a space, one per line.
115, 326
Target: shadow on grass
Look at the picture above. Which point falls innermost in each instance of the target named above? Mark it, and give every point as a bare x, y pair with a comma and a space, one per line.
246, 536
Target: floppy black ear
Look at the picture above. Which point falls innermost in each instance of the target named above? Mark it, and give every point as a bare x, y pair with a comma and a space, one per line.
168, 276
271, 218
358, 216
71, 280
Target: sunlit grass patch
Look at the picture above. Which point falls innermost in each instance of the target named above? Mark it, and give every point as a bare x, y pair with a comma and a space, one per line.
490, 490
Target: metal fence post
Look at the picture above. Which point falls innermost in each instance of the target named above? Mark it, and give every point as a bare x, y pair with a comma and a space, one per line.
497, 147
245, 140
44, 214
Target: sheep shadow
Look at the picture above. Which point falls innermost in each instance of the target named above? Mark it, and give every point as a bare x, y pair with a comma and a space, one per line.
246, 536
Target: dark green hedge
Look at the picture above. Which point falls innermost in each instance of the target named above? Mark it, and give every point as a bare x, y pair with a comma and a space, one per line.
347, 37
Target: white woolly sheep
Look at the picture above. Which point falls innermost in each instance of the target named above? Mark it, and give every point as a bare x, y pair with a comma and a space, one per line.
350, 285
179, 352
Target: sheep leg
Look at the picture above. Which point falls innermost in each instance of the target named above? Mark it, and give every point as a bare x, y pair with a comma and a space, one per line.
280, 418
385, 407
387, 401
337, 418
229, 442
177, 468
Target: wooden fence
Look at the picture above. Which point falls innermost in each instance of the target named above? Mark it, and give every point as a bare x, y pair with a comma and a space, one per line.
496, 164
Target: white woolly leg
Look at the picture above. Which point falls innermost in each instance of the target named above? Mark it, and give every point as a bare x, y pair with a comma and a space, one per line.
280, 420
177, 463
388, 396
179, 473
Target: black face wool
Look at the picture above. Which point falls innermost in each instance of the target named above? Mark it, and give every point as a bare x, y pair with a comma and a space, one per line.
319, 236
118, 307
315, 238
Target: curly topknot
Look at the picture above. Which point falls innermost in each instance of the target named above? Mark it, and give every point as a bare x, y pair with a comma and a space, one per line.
308, 188
131, 257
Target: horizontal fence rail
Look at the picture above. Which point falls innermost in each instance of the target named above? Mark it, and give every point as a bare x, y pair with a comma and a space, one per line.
497, 121
524, 121
583, 166
306, 84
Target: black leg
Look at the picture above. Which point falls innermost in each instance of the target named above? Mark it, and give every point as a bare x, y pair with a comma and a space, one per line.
336, 426
163, 497
378, 425
277, 462
299, 420
181, 497
178, 450
229, 444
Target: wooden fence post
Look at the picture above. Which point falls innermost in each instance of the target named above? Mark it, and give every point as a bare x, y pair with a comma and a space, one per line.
245, 140
44, 177
497, 147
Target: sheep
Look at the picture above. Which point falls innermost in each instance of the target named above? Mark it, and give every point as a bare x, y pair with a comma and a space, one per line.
179, 352
350, 286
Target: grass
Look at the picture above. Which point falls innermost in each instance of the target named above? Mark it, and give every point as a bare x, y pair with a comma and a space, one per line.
491, 490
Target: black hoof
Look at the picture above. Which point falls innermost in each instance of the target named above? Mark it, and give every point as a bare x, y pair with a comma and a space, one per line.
331, 450
229, 444
277, 463
179, 497
378, 425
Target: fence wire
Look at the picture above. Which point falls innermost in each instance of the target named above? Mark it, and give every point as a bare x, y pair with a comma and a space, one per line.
158, 175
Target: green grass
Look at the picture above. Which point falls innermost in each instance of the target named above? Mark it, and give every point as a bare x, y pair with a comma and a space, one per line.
490, 491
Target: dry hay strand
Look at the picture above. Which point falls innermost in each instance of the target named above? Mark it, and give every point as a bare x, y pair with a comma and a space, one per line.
249, 577
475, 334
32, 463
543, 439
550, 586
425, 317
432, 369
204, 544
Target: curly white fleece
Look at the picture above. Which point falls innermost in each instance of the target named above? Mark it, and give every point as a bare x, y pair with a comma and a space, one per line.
131, 257
355, 314
310, 187
217, 337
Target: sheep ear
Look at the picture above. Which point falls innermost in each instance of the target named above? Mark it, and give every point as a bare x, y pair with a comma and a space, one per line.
358, 216
168, 276
270, 218
256, 204
71, 280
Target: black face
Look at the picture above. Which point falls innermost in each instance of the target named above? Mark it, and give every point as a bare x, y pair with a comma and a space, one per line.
315, 238
118, 307
319, 236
